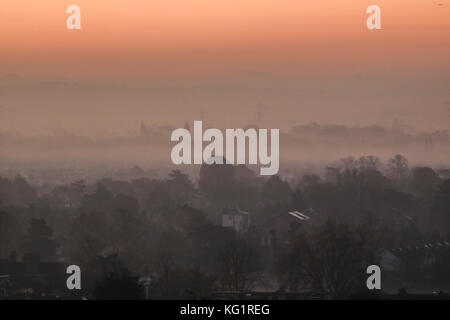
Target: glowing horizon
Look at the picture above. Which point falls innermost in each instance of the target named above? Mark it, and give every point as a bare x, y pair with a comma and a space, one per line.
138, 37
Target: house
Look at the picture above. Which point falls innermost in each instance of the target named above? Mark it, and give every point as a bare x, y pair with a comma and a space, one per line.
235, 218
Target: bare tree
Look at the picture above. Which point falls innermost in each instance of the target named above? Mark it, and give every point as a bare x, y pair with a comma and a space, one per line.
369, 163
332, 259
398, 167
238, 266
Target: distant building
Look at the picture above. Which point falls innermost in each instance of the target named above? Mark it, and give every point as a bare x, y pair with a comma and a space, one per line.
235, 218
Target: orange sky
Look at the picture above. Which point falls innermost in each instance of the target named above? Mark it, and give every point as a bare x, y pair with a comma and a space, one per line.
304, 60
135, 38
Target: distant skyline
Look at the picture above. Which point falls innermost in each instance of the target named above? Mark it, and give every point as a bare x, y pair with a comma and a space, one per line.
179, 60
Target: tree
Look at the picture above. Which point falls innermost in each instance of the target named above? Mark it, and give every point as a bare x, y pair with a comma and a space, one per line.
398, 167
332, 259
100, 200
79, 186
369, 163
17, 192
349, 163
183, 283
5, 221
276, 191
440, 269
180, 188
239, 268
298, 199
88, 239
39, 240
425, 180
311, 180
441, 206
118, 285
217, 182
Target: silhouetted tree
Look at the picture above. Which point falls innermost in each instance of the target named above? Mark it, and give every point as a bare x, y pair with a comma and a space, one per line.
89, 237
118, 285
183, 283
332, 259
217, 182
100, 200
311, 180
440, 270
369, 163
441, 207
239, 267
180, 188
276, 191
398, 167
425, 180
298, 199
39, 240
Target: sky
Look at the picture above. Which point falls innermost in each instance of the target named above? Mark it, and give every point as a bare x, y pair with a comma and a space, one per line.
172, 61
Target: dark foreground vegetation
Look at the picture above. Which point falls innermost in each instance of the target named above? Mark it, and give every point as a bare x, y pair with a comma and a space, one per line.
229, 234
